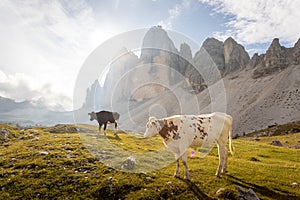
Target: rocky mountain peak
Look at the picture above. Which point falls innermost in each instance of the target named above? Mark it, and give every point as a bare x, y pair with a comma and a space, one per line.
275, 43
185, 51
156, 37
235, 56
185, 58
228, 56
277, 58
92, 95
211, 42
214, 48
255, 60
295, 54
275, 51
155, 40
230, 40
159, 49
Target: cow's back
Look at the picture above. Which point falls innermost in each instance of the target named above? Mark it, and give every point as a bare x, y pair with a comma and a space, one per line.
196, 129
220, 126
107, 116
221, 121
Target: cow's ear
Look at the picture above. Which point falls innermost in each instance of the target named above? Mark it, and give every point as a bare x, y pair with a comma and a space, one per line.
152, 119
89, 113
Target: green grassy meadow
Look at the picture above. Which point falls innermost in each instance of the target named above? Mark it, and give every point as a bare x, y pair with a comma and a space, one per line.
59, 163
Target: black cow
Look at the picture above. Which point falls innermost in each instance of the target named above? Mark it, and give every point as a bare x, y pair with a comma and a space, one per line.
105, 117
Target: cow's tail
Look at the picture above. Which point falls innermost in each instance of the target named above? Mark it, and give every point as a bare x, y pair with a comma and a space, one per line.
231, 148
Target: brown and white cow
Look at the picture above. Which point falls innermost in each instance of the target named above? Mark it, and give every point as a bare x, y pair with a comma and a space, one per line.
182, 131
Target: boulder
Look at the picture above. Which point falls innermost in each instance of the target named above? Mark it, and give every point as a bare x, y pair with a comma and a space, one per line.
256, 138
224, 193
276, 143
42, 153
129, 163
246, 195
4, 134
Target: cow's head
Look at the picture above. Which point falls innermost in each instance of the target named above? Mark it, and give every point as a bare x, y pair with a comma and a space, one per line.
93, 116
152, 127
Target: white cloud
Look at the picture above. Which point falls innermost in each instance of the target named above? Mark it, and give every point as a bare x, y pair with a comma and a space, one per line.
46, 42
259, 21
174, 13
22, 87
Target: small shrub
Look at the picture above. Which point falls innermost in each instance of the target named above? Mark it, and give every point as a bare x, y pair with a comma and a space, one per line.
254, 159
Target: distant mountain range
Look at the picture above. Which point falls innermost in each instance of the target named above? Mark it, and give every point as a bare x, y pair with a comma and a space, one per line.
31, 113
260, 91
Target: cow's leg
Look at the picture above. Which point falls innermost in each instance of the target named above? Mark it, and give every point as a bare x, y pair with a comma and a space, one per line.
116, 127
100, 125
105, 129
185, 164
221, 158
223, 154
224, 169
177, 169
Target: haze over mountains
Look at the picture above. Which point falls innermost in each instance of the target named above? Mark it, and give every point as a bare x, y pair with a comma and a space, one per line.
31, 113
164, 81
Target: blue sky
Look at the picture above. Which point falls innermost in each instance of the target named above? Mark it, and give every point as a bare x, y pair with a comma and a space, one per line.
45, 42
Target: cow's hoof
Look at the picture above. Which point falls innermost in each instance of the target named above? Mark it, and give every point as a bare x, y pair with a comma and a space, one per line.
176, 175
224, 172
187, 178
218, 176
